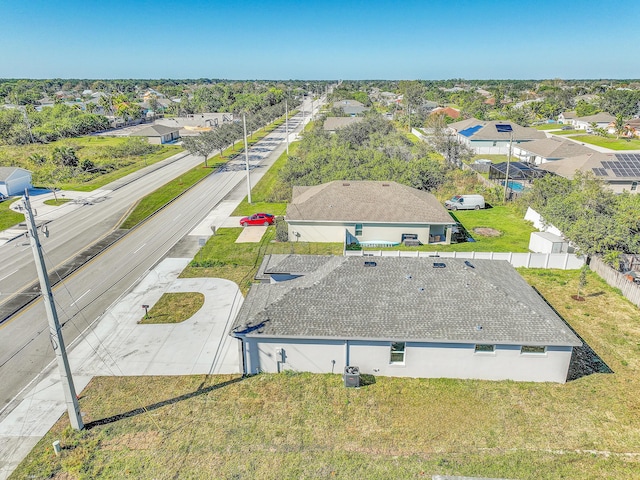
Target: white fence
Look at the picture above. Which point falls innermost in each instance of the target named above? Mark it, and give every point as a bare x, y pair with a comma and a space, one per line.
616, 279
562, 261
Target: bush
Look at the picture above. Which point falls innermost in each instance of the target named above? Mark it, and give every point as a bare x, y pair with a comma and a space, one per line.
282, 230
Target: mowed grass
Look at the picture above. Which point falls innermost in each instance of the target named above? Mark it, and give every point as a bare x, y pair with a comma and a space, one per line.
174, 307
549, 126
9, 218
610, 142
292, 425
221, 257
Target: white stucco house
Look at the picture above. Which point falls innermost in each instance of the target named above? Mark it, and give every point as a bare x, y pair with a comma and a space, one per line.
158, 134
402, 317
367, 213
14, 180
549, 150
483, 137
601, 120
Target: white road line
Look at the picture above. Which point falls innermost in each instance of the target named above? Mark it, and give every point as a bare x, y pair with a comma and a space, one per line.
7, 276
78, 299
139, 248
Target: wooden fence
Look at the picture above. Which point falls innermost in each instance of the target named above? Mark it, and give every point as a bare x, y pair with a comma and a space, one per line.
616, 279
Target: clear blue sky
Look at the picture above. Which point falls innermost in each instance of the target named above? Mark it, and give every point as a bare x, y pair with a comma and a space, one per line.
235, 39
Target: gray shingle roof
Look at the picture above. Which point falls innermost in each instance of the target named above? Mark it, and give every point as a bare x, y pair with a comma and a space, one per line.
598, 118
155, 131
555, 148
6, 172
405, 299
365, 201
335, 123
488, 131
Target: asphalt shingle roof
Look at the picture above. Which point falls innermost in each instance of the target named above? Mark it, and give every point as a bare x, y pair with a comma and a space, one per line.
486, 130
366, 201
555, 148
405, 299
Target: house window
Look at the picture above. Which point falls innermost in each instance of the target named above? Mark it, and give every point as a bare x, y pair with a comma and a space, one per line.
480, 348
358, 229
397, 352
634, 185
532, 349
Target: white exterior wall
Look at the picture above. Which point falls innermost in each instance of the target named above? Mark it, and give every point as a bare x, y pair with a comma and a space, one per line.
422, 360
16, 183
335, 232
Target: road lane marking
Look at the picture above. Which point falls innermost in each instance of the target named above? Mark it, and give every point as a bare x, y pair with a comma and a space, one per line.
139, 248
7, 276
78, 299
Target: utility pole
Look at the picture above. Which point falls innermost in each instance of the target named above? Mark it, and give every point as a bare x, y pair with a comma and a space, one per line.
55, 331
286, 123
246, 156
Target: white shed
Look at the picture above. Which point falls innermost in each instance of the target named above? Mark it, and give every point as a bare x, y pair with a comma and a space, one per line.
546, 242
14, 180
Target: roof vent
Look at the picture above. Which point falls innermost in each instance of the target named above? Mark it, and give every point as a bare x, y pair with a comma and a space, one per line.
370, 264
385, 184
478, 327
408, 277
439, 265
346, 184
421, 289
469, 264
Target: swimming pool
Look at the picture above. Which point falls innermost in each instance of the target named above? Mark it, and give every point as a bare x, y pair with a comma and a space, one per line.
515, 186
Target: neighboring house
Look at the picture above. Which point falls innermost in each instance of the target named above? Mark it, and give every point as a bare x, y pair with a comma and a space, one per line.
567, 117
549, 150
601, 120
367, 213
14, 180
331, 124
448, 111
193, 124
158, 134
402, 317
350, 107
632, 128
483, 137
620, 171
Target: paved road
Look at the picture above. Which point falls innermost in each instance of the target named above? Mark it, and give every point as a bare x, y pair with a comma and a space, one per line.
81, 299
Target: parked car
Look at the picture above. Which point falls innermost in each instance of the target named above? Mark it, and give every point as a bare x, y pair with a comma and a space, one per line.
567, 127
258, 219
465, 202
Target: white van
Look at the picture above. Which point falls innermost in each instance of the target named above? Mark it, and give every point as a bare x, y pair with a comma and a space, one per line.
465, 202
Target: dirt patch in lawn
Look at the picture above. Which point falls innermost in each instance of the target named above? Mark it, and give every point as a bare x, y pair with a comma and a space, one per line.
487, 232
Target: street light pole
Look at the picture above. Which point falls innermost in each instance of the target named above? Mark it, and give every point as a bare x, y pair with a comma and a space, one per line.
55, 330
286, 124
246, 156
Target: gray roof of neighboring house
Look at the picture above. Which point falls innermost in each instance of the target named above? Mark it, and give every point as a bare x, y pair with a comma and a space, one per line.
594, 163
155, 131
486, 130
6, 172
336, 123
365, 201
405, 299
569, 114
555, 148
598, 118
348, 103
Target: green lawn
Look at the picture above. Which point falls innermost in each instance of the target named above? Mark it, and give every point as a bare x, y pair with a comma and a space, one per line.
9, 218
223, 258
549, 126
610, 142
174, 307
289, 425
568, 132
96, 149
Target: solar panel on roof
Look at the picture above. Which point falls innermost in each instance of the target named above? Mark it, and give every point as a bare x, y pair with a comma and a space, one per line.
504, 128
600, 172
